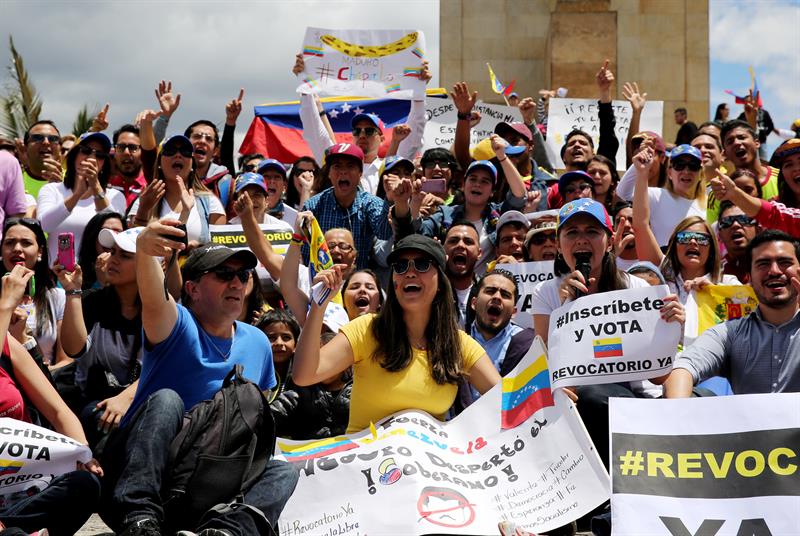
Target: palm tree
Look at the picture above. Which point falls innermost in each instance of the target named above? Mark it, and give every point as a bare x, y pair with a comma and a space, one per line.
21, 104
83, 121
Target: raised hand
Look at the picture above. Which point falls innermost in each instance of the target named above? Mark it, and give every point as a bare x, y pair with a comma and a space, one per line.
463, 101
498, 146
604, 78
722, 186
299, 64
751, 108
630, 90
533, 198
69, 280
168, 101
187, 196
243, 206
160, 238
51, 169
400, 132
306, 179
151, 196
14, 284
234, 108
425, 74
146, 117
527, 107
645, 158
100, 123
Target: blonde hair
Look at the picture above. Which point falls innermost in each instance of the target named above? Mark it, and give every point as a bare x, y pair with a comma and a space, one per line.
699, 193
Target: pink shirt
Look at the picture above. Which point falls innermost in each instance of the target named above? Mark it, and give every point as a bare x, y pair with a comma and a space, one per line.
12, 189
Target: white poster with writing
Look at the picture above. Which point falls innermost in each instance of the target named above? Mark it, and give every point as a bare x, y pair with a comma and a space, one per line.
441, 114
724, 465
363, 63
520, 454
612, 337
32, 456
565, 115
528, 275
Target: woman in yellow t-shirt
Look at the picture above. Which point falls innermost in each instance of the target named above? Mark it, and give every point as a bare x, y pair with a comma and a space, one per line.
410, 355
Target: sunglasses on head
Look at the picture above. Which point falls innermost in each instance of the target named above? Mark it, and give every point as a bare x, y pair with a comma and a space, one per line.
741, 219
686, 237
39, 138
88, 151
680, 165
226, 275
420, 265
540, 238
368, 131
579, 188
172, 150
443, 164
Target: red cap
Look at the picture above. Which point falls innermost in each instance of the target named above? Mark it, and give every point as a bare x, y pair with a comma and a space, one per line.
520, 128
349, 150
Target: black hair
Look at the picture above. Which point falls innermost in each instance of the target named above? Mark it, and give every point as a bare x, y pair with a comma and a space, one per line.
245, 157
87, 255
715, 138
728, 127
503, 272
133, 129
103, 174
680, 110
462, 223
206, 122
718, 114
254, 305
381, 190
374, 277
770, 235
612, 169
744, 172
280, 316
619, 206
27, 135
292, 194
438, 153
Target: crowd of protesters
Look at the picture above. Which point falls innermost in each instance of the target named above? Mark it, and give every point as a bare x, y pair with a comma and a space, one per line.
113, 348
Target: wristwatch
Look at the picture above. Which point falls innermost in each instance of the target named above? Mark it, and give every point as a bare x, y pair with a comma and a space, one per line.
463, 117
100, 195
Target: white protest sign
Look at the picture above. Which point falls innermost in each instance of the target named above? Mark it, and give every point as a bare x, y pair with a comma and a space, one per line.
564, 115
612, 337
364, 63
517, 454
441, 115
32, 456
724, 465
528, 275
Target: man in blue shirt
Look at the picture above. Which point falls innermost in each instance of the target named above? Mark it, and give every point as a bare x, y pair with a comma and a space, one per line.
188, 351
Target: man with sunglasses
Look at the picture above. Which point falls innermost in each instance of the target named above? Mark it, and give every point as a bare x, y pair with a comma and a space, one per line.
42, 151
129, 178
736, 230
188, 351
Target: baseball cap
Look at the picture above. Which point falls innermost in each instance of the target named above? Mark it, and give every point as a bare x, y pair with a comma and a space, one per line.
126, 240
539, 228
585, 206
344, 150
686, 150
176, 139
438, 154
570, 176
393, 161
210, 256
513, 94
249, 179
95, 136
485, 164
512, 216
658, 141
372, 118
785, 149
271, 163
418, 242
520, 128
643, 266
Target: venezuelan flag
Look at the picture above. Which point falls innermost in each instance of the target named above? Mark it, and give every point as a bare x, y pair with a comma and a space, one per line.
525, 394
313, 51
320, 256
316, 449
497, 85
607, 347
8, 467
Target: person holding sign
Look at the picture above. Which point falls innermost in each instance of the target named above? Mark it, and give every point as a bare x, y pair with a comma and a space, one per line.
410, 355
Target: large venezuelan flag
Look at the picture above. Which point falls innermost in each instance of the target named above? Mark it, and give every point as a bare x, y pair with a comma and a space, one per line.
525, 394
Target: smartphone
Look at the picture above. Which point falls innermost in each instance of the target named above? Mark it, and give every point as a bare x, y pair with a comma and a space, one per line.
434, 186
66, 251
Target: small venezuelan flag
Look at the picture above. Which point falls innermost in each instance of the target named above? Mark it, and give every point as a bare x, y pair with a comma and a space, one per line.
607, 347
316, 449
393, 88
8, 467
418, 52
412, 71
525, 394
313, 51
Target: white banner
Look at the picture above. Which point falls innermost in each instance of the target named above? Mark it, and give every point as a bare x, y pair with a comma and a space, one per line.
528, 275
32, 456
518, 454
612, 337
232, 235
364, 63
722, 466
564, 115
441, 114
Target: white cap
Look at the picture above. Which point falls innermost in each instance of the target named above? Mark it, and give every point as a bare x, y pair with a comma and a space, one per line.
513, 215
126, 240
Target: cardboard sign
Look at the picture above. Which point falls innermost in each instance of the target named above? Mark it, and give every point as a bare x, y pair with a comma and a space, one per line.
440, 129
528, 275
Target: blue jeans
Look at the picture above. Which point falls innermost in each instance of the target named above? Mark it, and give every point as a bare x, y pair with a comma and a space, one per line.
62, 507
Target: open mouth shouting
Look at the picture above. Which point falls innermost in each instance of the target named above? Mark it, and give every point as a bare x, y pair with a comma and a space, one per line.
494, 312
412, 289
362, 303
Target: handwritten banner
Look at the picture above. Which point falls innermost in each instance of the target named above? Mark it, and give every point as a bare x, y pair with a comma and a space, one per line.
715, 465
564, 115
528, 275
31, 457
233, 236
518, 454
440, 128
612, 337
364, 63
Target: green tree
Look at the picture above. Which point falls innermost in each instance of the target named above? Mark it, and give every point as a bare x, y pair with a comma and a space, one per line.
21, 104
83, 121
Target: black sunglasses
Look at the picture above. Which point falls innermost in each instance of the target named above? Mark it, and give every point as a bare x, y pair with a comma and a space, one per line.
132, 147
225, 275
693, 165
186, 152
249, 168
420, 266
741, 219
540, 238
579, 188
443, 164
88, 151
39, 138
368, 131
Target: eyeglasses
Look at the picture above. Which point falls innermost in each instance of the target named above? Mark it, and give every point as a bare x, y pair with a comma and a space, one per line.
225, 275
540, 238
443, 164
40, 138
343, 246
680, 165
88, 151
420, 265
197, 136
367, 131
741, 219
686, 237
249, 167
132, 147
580, 188
185, 152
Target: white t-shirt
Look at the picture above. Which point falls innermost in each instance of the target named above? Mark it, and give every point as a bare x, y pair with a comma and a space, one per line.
193, 225
268, 220
49, 333
624, 264
55, 218
462, 296
545, 298
369, 177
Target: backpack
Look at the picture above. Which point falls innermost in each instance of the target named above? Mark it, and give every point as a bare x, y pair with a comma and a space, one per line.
221, 450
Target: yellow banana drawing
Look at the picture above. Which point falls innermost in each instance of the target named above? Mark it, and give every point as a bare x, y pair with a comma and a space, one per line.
378, 51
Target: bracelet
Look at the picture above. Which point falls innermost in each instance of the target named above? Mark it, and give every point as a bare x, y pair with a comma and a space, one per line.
503, 160
29, 344
463, 117
321, 113
73, 292
298, 238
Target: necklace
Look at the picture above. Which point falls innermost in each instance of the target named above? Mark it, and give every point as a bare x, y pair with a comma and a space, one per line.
224, 355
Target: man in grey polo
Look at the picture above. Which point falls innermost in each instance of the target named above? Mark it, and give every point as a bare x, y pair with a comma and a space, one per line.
759, 353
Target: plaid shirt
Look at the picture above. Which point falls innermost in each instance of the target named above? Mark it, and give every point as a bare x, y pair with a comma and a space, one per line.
367, 218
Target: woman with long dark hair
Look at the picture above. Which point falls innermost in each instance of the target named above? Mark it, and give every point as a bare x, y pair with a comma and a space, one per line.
304, 181
722, 113
93, 257
37, 318
361, 293
409, 355
787, 159
606, 178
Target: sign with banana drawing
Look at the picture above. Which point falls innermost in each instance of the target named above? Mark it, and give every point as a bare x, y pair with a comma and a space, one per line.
364, 63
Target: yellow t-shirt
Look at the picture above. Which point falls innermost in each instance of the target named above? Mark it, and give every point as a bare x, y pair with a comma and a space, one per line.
378, 392
769, 190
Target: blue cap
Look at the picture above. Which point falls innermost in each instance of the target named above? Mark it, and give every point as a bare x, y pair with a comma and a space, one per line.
570, 176
483, 164
393, 161
686, 150
585, 206
95, 136
250, 179
176, 139
514, 150
513, 94
271, 163
372, 118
